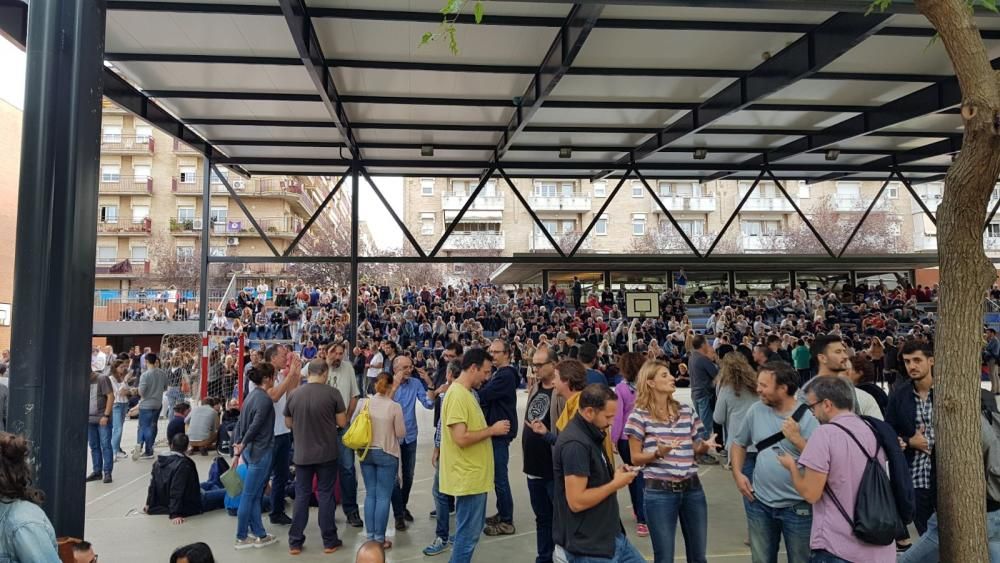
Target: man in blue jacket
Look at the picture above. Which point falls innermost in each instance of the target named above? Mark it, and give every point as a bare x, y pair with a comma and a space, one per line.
498, 398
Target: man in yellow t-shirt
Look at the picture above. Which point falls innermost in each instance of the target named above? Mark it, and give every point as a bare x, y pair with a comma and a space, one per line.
466, 463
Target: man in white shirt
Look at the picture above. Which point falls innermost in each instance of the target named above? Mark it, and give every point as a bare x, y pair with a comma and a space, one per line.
833, 359
287, 367
262, 290
98, 360
375, 367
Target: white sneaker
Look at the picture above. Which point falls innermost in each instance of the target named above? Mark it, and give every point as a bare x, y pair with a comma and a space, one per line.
245, 543
136, 452
265, 541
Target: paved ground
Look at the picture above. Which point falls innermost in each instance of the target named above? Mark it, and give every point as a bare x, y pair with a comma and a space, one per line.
120, 533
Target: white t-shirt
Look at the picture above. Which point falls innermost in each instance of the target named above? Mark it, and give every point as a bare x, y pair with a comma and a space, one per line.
373, 371
279, 408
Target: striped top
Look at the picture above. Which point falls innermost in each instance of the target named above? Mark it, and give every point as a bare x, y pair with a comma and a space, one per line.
679, 463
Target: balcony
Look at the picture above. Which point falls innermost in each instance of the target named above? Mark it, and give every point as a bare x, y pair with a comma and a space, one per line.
762, 243
682, 203
254, 187
121, 268
854, 204
127, 185
477, 240
183, 148
275, 227
127, 144
538, 243
454, 202
932, 201
125, 227
576, 203
768, 205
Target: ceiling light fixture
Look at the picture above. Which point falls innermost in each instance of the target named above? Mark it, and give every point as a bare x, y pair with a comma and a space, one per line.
565, 152
832, 154
427, 150
700, 154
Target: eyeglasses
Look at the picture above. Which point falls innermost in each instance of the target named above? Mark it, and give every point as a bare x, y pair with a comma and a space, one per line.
541, 365
813, 405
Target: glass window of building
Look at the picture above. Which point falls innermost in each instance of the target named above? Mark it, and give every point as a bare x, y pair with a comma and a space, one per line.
638, 224
427, 186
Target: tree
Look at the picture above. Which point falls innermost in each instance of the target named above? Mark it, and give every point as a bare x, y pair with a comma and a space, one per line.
880, 233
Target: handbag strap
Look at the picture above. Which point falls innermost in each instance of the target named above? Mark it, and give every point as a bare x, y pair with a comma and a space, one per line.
778, 436
826, 487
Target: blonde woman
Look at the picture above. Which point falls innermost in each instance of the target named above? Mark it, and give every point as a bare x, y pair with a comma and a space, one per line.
663, 437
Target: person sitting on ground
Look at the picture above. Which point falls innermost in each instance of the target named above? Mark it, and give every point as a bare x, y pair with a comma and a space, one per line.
174, 489
176, 424
26, 533
193, 553
203, 425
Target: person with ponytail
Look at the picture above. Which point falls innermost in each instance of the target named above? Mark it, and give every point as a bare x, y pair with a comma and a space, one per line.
26, 535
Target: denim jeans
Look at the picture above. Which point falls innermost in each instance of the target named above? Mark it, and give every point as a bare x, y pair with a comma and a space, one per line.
281, 460
148, 429
401, 493
101, 455
636, 488
212, 499
118, 413
824, 556
501, 483
925, 549
379, 472
625, 552
248, 517
470, 517
768, 525
348, 478
326, 476
703, 406
442, 504
540, 493
173, 396
663, 509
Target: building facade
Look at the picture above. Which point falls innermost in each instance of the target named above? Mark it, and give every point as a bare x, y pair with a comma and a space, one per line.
10, 163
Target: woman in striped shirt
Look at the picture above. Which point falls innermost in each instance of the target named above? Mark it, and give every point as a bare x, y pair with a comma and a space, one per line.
663, 437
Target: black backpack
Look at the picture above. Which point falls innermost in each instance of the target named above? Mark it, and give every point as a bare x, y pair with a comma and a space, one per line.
876, 520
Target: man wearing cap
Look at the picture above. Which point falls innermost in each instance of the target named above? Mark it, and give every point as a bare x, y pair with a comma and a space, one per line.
588, 356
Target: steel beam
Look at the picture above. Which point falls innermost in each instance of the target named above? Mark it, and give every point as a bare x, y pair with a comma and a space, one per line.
600, 212
206, 212
55, 253
243, 207
864, 217
531, 212
670, 216
14, 21
916, 197
355, 236
800, 59
735, 214
801, 215
316, 214
304, 35
461, 212
392, 212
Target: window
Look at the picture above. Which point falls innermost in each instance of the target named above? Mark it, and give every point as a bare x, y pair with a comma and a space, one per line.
214, 176
185, 253
143, 133
996, 192
4, 314
546, 189
691, 228
106, 254
185, 214
427, 223
490, 189
567, 189
993, 230
111, 173
566, 227
111, 134
108, 214
460, 188
188, 174
805, 190
760, 228
600, 189
219, 215
638, 224
892, 190
427, 186
140, 253
139, 213
216, 251
601, 227
686, 189
665, 189
848, 190
141, 172
637, 188
931, 192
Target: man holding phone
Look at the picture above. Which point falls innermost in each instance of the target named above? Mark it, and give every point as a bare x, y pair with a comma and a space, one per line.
537, 448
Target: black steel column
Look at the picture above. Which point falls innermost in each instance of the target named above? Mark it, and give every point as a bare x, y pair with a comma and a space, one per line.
206, 211
607, 279
355, 212
56, 249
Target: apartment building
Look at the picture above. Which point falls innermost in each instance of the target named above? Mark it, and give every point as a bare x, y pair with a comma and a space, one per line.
635, 222
150, 207
10, 163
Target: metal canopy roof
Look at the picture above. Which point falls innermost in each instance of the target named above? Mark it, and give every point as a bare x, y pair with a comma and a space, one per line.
615, 81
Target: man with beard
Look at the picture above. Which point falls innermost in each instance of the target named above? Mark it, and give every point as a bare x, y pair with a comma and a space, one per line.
340, 376
543, 408
832, 358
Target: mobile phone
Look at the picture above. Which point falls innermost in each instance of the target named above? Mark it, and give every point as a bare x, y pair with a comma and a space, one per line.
778, 450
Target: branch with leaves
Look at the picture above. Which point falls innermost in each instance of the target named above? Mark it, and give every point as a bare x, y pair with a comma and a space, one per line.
450, 15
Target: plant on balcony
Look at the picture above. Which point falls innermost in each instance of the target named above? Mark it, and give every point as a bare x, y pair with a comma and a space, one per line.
174, 226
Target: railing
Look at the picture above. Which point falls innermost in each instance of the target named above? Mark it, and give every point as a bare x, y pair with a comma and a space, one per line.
576, 203
127, 143
125, 267
685, 203
768, 204
759, 243
538, 242
474, 240
288, 225
857, 204
126, 226
259, 187
183, 147
127, 185
990, 306
483, 202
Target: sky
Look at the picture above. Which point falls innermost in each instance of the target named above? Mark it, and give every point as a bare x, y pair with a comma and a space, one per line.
12, 66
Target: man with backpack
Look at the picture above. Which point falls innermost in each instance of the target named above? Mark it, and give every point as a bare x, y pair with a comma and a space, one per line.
833, 478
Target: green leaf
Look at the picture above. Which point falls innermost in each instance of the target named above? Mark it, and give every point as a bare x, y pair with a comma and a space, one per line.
479, 11
452, 40
426, 38
991, 5
452, 7
880, 5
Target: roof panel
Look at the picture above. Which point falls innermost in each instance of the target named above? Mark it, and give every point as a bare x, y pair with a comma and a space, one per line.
613, 139
255, 133
434, 6
648, 12
652, 89
414, 154
392, 113
189, 108
943, 122
919, 55
215, 34
847, 92
778, 119
242, 151
589, 116
232, 77
884, 143
427, 137
750, 140
820, 158
688, 158
425, 83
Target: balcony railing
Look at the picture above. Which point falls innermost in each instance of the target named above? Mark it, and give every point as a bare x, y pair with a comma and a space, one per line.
254, 187
183, 148
125, 226
931, 201
127, 144
700, 204
762, 243
451, 202
123, 267
538, 242
475, 240
778, 204
139, 185
849, 204
287, 226
577, 203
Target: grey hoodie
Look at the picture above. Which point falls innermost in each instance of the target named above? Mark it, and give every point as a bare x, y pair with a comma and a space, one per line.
152, 384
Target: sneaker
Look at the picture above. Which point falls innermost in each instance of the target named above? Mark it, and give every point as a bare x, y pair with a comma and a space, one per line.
147, 456
281, 519
708, 460
500, 529
493, 520
434, 513
244, 543
265, 541
407, 516
438, 547
136, 452
401, 524
120, 456
641, 530
107, 477
95, 476
354, 520
451, 539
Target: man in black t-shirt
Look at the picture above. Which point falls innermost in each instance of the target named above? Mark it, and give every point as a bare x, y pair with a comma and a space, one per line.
537, 448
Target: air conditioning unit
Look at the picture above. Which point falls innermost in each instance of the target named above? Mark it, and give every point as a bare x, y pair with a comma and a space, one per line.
196, 224
238, 184
233, 241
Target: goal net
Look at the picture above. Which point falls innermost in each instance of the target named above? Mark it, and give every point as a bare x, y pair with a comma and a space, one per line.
180, 356
222, 361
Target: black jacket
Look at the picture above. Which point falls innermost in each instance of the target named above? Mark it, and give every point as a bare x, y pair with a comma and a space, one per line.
174, 488
498, 397
901, 414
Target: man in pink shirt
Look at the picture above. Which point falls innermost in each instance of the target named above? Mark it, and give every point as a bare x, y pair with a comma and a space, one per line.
832, 461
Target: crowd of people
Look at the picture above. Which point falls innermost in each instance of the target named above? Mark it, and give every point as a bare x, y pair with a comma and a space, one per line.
792, 392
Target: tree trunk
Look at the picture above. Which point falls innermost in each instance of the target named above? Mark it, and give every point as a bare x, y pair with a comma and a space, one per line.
966, 275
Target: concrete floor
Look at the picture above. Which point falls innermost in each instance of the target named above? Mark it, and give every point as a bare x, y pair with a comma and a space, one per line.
121, 533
